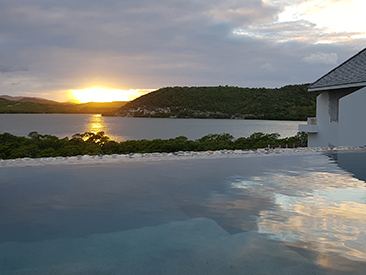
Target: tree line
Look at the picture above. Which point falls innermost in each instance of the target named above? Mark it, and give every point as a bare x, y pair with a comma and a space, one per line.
36, 145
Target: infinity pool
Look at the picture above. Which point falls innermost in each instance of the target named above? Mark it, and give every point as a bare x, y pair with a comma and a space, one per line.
301, 213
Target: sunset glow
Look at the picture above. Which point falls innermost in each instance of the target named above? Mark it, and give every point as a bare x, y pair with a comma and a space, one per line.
311, 21
101, 94
333, 16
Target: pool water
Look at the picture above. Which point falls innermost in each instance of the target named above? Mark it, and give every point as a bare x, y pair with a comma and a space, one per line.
262, 214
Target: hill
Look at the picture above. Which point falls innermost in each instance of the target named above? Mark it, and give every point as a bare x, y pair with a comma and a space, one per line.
40, 105
29, 99
292, 102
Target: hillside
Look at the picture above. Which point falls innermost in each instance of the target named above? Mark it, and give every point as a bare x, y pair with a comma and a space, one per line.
34, 105
292, 102
29, 99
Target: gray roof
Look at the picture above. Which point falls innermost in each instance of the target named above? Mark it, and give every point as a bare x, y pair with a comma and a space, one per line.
351, 73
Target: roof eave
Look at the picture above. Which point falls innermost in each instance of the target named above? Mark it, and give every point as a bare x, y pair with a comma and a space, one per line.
344, 86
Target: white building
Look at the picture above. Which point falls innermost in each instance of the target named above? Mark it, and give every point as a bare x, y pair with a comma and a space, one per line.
341, 106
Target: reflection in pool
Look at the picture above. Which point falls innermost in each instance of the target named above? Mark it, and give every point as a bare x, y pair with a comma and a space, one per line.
275, 214
325, 209
351, 161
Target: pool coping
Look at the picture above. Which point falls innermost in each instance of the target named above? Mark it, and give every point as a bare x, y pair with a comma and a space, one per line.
116, 158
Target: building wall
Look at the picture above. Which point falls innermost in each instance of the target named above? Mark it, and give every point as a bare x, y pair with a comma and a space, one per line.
352, 119
327, 121
341, 119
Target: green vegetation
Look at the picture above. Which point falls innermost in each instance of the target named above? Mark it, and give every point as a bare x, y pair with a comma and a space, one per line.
37, 145
39, 106
292, 102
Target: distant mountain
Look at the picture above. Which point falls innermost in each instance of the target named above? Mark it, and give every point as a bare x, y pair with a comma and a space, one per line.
29, 99
292, 102
12, 98
9, 104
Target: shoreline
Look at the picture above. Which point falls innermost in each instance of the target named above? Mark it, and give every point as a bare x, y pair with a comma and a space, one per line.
116, 158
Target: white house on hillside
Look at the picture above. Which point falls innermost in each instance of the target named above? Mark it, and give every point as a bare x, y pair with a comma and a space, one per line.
341, 106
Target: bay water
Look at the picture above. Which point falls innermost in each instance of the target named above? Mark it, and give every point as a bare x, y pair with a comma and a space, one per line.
127, 128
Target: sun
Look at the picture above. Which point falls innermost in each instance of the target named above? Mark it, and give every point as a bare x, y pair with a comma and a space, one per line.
101, 94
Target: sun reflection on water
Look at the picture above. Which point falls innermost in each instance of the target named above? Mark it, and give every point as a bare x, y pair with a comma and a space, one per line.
96, 124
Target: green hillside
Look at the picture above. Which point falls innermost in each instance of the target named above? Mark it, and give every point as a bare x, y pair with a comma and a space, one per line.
292, 102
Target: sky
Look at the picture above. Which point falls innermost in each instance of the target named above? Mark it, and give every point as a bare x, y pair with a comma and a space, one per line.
55, 48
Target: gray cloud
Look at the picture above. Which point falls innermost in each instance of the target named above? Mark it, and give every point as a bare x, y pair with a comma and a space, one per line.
9, 69
268, 66
321, 58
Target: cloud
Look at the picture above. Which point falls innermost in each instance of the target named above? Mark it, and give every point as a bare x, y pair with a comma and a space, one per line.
321, 58
268, 66
9, 69
244, 13
282, 31
145, 44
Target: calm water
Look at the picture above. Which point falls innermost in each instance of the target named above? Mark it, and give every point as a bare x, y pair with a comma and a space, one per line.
267, 214
121, 128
